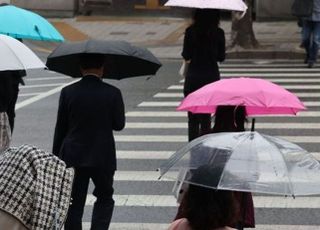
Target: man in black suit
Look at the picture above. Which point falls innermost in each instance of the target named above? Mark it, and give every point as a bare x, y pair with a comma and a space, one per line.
89, 111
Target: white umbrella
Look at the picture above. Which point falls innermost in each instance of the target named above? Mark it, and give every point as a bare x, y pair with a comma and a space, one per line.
17, 56
248, 162
235, 5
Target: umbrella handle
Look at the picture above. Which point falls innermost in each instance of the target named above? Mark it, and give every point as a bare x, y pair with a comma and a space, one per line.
252, 124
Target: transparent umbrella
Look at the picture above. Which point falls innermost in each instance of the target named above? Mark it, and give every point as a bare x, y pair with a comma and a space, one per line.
248, 162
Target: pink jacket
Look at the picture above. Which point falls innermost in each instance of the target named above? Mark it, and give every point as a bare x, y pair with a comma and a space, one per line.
183, 224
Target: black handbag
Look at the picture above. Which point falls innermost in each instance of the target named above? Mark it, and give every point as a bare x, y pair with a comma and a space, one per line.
302, 8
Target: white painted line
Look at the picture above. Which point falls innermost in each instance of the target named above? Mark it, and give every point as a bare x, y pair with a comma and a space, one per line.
40, 85
180, 95
156, 114
162, 226
159, 104
29, 94
144, 154
260, 75
41, 96
47, 78
140, 176
180, 87
177, 103
170, 201
184, 114
161, 155
271, 70
285, 80
184, 139
184, 125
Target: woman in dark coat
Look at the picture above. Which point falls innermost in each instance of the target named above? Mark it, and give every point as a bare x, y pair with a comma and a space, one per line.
203, 48
231, 119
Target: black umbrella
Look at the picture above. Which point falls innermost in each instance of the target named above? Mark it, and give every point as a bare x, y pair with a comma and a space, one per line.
123, 60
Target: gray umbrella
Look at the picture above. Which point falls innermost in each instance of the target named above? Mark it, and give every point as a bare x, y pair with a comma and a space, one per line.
123, 60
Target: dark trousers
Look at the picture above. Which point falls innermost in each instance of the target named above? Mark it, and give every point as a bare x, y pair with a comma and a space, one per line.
103, 207
198, 124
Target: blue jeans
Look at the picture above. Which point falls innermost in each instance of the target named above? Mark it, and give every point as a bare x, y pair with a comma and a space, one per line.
311, 39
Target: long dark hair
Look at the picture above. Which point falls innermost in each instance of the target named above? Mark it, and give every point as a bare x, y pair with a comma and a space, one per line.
229, 118
208, 208
206, 22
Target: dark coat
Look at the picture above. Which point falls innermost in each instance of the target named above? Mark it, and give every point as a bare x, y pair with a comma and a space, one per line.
204, 51
6, 92
89, 111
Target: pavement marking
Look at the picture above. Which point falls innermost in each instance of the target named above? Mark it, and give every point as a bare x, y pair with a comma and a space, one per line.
162, 226
46, 78
29, 94
184, 125
271, 70
177, 103
259, 75
180, 87
184, 138
40, 85
162, 155
41, 96
184, 114
170, 201
144, 154
180, 95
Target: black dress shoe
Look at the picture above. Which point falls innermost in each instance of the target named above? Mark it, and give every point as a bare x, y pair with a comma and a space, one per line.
310, 64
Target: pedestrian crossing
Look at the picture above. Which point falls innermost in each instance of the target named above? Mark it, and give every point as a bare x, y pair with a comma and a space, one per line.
155, 130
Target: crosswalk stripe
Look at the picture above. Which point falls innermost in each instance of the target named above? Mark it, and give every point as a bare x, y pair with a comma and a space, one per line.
260, 75
40, 85
180, 87
161, 226
47, 78
245, 70
143, 154
41, 96
170, 201
183, 138
184, 114
29, 94
161, 155
180, 95
285, 80
179, 125
177, 103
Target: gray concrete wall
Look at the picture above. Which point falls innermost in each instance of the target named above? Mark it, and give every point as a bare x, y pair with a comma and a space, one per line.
273, 9
55, 8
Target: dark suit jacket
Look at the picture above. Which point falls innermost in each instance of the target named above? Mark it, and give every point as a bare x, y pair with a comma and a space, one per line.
89, 111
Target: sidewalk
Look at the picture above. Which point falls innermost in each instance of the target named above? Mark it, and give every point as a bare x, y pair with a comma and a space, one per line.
164, 36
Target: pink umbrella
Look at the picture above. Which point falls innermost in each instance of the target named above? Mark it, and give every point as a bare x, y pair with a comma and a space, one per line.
236, 5
258, 95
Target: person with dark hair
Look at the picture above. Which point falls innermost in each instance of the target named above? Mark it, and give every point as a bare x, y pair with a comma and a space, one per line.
89, 111
230, 119
205, 207
203, 48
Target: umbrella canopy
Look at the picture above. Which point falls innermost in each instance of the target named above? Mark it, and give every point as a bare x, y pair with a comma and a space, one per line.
235, 5
17, 56
24, 24
257, 95
247, 161
123, 59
